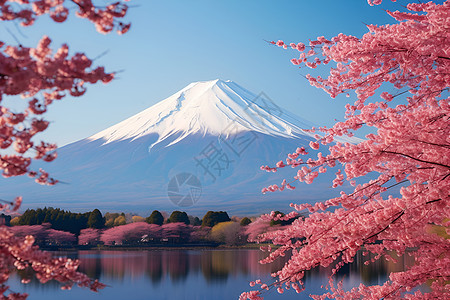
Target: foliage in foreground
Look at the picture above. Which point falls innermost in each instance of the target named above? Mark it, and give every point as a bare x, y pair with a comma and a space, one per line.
40, 77
410, 149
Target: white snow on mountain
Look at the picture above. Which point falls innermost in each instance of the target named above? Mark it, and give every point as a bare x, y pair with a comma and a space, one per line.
200, 149
207, 107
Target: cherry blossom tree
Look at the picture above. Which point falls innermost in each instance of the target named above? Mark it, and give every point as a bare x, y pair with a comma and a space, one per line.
199, 234
43, 234
89, 236
176, 232
130, 233
258, 227
40, 77
59, 237
400, 75
229, 233
39, 232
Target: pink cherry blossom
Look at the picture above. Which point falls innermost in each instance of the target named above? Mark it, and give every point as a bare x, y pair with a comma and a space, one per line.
89, 236
407, 155
40, 76
130, 233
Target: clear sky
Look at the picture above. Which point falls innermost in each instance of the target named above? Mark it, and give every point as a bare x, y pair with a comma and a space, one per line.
174, 43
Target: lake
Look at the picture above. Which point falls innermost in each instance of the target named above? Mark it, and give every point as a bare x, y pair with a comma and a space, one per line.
191, 274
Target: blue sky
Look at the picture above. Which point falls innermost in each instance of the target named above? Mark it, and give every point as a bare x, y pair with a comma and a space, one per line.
174, 43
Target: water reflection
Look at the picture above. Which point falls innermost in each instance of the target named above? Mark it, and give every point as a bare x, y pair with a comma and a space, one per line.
197, 274
357, 272
214, 265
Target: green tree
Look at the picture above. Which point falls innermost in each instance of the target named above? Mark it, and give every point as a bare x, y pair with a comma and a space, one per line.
40, 215
214, 217
109, 219
28, 217
135, 219
229, 233
15, 221
155, 218
245, 221
58, 222
5, 220
59, 219
95, 220
195, 221
179, 216
120, 220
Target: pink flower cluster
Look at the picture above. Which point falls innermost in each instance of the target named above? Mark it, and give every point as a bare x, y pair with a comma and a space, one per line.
36, 74
40, 76
105, 18
139, 232
18, 250
43, 233
409, 151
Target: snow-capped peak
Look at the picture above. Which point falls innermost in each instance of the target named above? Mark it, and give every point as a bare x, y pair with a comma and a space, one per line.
207, 107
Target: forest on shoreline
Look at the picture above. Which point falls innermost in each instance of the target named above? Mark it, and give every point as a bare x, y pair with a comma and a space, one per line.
56, 228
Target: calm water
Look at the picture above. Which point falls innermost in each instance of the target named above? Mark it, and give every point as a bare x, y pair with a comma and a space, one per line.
190, 274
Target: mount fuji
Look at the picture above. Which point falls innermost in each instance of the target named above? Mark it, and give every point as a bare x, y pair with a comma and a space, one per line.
200, 149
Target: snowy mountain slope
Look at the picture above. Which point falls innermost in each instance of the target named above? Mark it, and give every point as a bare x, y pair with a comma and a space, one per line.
207, 108
216, 132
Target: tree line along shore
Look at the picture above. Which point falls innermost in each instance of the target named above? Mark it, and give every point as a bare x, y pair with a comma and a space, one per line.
54, 227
